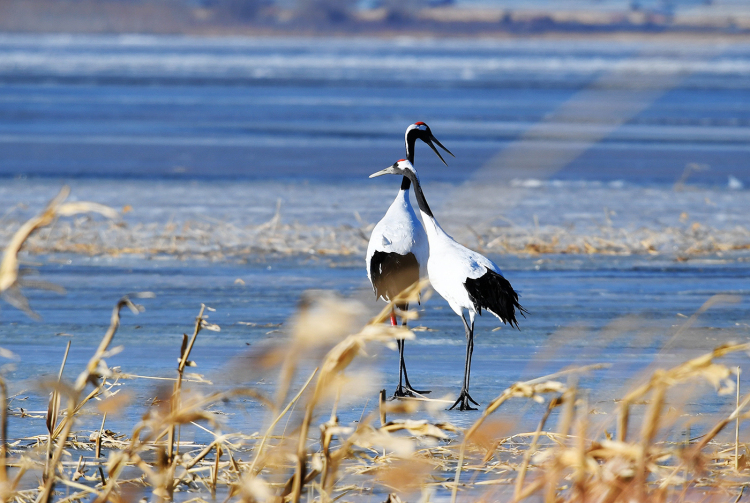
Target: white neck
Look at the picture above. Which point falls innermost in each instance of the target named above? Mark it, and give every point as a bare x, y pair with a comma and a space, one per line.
432, 227
403, 195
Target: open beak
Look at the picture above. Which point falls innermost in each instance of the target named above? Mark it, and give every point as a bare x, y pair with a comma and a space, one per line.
433, 139
441, 145
386, 171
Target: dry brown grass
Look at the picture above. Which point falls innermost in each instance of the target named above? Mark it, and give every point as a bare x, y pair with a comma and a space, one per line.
216, 239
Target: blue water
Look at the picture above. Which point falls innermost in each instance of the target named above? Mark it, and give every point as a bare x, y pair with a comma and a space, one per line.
176, 107
216, 130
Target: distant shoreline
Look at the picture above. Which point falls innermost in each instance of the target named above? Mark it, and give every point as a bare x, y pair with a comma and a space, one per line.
93, 17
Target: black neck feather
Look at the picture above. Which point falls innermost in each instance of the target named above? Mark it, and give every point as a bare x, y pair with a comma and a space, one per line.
411, 139
421, 201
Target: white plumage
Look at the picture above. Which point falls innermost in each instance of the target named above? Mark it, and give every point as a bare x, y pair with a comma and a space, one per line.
450, 264
401, 232
466, 279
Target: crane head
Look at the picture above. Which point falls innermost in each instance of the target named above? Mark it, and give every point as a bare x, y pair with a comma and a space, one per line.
401, 167
420, 130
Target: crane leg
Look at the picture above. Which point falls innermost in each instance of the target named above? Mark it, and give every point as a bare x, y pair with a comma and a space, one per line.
407, 390
464, 400
400, 343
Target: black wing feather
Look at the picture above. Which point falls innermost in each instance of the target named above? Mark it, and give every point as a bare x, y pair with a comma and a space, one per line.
494, 293
392, 273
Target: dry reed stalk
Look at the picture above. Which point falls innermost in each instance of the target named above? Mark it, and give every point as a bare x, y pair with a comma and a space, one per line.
337, 360
327, 464
4, 492
90, 374
718, 427
702, 366
175, 398
642, 454
737, 427
215, 474
566, 419
533, 389
201, 455
532, 448
259, 448
327, 432
322, 320
367, 437
53, 410
156, 426
98, 447
10, 282
93, 394
300, 471
530, 489
57, 454
581, 472
648, 431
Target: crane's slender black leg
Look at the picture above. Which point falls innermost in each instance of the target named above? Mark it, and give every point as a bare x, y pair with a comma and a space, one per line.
407, 390
468, 374
400, 392
400, 343
464, 398
408, 386
403, 363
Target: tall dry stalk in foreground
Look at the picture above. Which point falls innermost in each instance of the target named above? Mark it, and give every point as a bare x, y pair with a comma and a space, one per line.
612, 470
10, 279
95, 370
185, 350
4, 489
336, 361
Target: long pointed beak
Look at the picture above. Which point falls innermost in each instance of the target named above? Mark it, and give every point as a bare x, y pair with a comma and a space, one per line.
441, 145
386, 171
429, 142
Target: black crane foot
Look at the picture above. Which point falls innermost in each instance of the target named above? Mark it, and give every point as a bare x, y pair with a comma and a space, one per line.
407, 391
463, 402
418, 392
